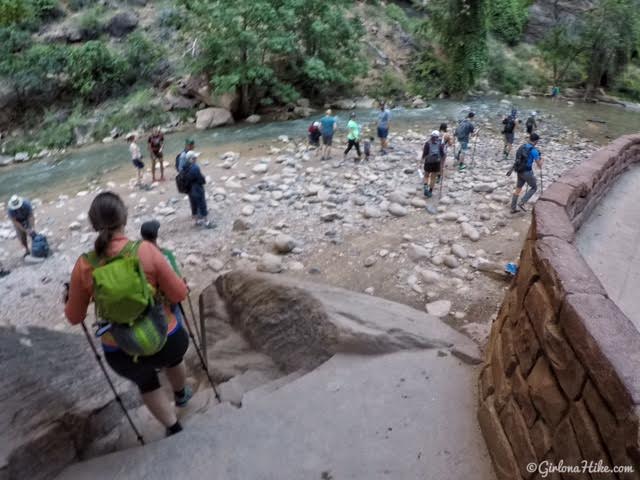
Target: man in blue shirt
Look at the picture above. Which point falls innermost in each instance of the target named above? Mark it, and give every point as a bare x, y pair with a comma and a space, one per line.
197, 196
524, 168
328, 128
384, 117
20, 212
181, 160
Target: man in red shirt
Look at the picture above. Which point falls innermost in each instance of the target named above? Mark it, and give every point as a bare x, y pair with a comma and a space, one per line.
156, 143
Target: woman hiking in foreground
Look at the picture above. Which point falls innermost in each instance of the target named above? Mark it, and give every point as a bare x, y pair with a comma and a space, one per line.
138, 343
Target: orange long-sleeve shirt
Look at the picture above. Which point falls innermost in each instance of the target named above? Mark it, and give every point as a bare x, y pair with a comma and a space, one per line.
156, 268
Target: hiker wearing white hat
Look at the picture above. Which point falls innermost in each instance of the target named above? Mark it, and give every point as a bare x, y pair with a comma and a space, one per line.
136, 155
197, 197
432, 156
20, 212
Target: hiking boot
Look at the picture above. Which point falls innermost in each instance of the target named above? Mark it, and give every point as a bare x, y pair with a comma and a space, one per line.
429, 193
521, 207
514, 210
173, 429
462, 167
209, 225
426, 191
182, 400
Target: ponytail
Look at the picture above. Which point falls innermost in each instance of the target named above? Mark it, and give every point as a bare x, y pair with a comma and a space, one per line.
107, 214
102, 242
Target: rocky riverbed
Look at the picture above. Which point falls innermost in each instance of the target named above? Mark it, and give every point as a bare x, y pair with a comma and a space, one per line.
363, 226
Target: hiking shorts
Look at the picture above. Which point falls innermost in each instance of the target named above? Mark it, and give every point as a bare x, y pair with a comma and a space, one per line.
464, 145
327, 140
509, 138
143, 372
156, 155
137, 163
383, 132
432, 167
527, 177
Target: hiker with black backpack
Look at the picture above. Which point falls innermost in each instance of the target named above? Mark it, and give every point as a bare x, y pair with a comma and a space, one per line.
526, 156
181, 158
531, 123
132, 286
463, 133
193, 184
433, 155
508, 131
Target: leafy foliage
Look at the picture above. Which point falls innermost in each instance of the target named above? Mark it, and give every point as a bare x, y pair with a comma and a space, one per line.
277, 48
14, 12
461, 29
95, 71
507, 19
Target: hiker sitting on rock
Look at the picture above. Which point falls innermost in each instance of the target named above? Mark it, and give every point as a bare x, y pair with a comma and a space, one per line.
20, 212
162, 333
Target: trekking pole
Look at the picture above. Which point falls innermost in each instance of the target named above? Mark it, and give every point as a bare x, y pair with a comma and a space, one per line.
541, 181
200, 331
442, 170
199, 352
113, 388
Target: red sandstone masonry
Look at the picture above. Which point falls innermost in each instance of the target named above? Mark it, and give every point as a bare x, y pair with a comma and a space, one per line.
562, 374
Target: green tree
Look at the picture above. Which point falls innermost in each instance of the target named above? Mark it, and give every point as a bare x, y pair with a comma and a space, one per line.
507, 19
14, 11
276, 48
95, 71
610, 36
461, 29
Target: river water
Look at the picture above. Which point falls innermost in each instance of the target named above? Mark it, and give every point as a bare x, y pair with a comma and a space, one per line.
72, 173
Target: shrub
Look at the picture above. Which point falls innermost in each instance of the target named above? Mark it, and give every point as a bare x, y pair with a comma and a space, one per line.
390, 85
628, 84
96, 71
428, 73
142, 57
12, 41
14, 12
171, 18
90, 23
76, 5
397, 14
46, 9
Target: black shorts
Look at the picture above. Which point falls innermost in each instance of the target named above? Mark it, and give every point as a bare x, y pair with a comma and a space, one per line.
143, 372
327, 140
509, 138
432, 167
137, 163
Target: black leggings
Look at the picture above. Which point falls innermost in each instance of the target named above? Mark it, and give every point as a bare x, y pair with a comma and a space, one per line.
353, 143
143, 372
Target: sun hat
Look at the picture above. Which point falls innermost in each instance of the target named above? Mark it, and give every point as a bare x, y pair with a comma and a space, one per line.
15, 202
435, 133
316, 124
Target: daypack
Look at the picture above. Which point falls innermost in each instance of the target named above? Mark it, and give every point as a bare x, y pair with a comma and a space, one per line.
125, 302
463, 130
183, 182
39, 246
509, 125
178, 161
522, 158
433, 156
530, 122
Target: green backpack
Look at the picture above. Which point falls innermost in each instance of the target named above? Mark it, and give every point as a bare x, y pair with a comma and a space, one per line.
124, 301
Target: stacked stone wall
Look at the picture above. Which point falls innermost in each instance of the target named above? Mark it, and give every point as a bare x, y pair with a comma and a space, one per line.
561, 380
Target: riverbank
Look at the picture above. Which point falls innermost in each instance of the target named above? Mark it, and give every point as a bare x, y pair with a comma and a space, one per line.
365, 227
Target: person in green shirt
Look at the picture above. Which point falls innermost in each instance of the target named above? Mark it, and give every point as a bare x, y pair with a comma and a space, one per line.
149, 232
353, 137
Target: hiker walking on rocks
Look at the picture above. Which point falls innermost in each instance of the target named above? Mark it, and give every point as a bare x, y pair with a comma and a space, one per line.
367, 144
181, 159
156, 145
384, 118
314, 134
463, 134
448, 142
20, 212
526, 156
508, 131
353, 137
432, 156
115, 257
197, 197
531, 123
327, 128
136, 155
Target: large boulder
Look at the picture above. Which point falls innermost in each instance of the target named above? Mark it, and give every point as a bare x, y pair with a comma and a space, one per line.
122, 23
174, 101
213, 117
55, 401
